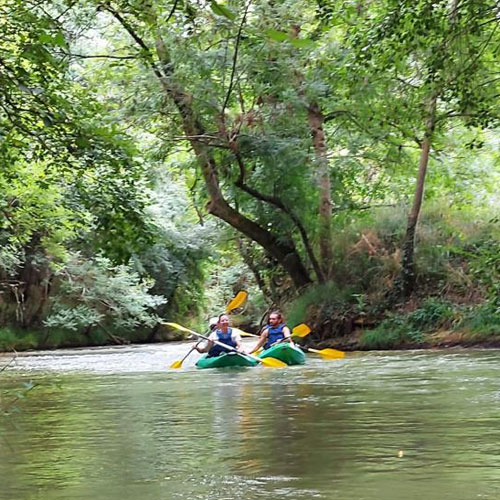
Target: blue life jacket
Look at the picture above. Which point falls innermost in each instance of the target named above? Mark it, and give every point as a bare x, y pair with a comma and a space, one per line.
274, 334
225, 338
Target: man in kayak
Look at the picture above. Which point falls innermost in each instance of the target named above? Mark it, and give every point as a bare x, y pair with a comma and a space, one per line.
276, 331
223, 333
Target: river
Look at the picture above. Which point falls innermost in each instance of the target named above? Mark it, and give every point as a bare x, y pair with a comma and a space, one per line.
116, 424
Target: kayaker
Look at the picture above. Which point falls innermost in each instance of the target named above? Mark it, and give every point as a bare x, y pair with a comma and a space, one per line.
223, 333
276, 331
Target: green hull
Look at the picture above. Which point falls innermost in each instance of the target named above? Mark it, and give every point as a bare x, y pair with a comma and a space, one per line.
224, 360
290, 355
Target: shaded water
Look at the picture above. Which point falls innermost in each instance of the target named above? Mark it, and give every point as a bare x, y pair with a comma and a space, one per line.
114, 424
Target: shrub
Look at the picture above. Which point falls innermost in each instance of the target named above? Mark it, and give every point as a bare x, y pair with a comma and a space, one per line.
94, 292
482, 322
331, 299
403, 329
8, 339
12, 339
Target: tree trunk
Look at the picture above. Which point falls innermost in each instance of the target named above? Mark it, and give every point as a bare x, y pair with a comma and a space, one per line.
408, 274
286, 254
316, 121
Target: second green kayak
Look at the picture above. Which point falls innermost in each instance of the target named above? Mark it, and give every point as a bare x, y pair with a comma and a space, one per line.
287, 353
224, 360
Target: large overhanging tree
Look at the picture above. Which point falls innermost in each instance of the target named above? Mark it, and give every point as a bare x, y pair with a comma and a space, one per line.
275, 99
158, 37
250, 90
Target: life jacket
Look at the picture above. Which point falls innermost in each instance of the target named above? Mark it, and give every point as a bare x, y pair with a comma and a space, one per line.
274, 334
225, 338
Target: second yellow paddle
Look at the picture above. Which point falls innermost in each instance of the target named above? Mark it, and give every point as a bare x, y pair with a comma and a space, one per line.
301, 331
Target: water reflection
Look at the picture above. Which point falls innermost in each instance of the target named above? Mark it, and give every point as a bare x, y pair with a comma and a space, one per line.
390, 425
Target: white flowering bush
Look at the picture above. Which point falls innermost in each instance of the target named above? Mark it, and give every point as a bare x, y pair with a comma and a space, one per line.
94, 292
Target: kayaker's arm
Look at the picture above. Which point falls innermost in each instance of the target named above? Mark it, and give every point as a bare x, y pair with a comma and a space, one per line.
261, 342
237, 340
208, 345
288, 336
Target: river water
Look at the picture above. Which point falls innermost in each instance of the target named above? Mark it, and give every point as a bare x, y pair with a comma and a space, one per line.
116, 424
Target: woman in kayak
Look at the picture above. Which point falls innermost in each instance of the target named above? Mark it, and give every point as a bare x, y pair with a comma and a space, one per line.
276, 331
225, 334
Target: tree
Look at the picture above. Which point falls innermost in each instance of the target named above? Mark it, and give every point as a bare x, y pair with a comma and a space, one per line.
147, 30
436, 62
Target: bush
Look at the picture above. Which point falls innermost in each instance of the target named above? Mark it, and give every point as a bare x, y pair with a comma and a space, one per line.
8, 339
403, 329
482, 322
433, 314
393, 332
328, 298
93, 292
12, 339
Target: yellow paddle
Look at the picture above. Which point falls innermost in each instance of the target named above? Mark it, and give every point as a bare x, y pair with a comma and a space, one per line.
178, 364
301, 331
326, 353
239, 299
272, 362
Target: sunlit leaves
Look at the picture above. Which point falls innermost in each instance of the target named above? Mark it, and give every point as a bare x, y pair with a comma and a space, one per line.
221, 10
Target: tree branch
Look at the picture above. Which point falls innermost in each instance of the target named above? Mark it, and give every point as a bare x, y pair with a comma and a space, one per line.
97, 56
235, 58
130, 30
277, 202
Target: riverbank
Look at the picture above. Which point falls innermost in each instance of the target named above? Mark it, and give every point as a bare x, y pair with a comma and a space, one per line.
430, 323
434, 340
16, 339
360, 339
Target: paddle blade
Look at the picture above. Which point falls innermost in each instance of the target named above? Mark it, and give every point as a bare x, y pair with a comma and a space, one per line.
243, 334
273, 362
332, 353
176, 364
238, 301
178, 327
329, 353
301, 330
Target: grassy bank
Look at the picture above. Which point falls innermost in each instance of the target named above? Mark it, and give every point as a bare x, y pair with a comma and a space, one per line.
457, 298
15, 339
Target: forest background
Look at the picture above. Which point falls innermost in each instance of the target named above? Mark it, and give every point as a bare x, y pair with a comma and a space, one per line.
338, 159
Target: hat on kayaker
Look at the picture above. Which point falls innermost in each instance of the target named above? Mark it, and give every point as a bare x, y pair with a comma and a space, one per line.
213, 322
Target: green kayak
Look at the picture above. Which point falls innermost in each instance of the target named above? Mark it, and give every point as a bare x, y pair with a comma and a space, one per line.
224, 360
287, 353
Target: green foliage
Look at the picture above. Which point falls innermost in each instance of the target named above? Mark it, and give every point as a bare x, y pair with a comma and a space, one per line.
389, 336
58, 337
7, 339
10, 259
16, 339
483, 322
485, 262
332, 300
409, 329
96, 293
475, 323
